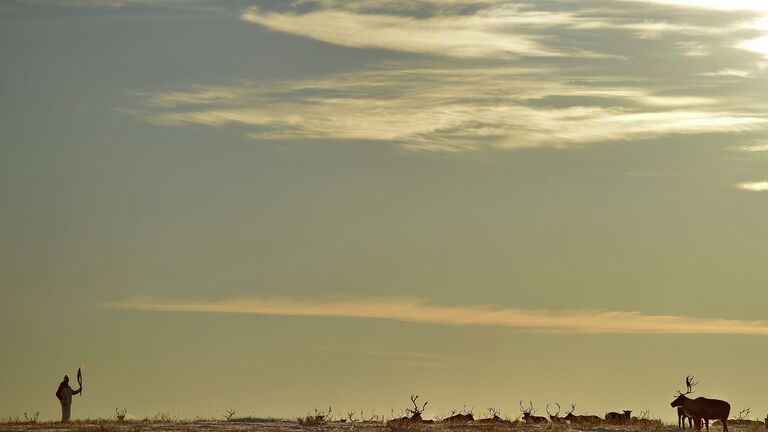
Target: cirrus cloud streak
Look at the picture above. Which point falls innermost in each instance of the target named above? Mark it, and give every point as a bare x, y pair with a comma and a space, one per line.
420, 311
452, 109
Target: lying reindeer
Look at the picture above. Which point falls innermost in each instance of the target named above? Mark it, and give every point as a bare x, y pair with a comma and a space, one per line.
528, 416
581, 419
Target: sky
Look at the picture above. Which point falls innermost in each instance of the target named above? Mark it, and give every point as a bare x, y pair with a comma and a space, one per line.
273, 206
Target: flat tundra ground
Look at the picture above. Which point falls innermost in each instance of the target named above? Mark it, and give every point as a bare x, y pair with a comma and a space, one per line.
274, 425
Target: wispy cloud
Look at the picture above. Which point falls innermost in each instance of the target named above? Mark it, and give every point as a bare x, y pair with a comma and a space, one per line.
497, 29
756, 186
760, 7
757, 147
467, 97
451, 109
730, 5
419, 311
738, 73
479, 35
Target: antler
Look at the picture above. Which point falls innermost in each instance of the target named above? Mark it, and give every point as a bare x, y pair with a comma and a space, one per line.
744, 414
416, 409
573, 408
689, 385
528, 411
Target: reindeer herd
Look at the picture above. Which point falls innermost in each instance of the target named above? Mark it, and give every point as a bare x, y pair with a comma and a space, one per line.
696, 412
612, 417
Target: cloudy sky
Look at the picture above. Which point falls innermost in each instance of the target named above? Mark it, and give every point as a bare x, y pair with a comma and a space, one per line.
275, 205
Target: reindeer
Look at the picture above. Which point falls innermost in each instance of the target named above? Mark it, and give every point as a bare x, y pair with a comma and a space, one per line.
742, 419
528, 416
416, 411
415, 414
681, 417
494, 417
644, 421
465, 416
556, 417
582, 419
702, 408
120, 414
619, 418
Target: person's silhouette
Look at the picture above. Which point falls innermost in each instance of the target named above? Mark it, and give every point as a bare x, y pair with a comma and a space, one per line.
64, 395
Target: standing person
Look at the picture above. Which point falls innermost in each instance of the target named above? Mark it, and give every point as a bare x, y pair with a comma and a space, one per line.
64, 395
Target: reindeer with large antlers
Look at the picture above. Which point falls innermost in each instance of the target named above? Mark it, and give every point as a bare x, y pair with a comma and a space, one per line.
702, 408
464, 416
528, 414
555, 418
414, 415
416, 412
581, 419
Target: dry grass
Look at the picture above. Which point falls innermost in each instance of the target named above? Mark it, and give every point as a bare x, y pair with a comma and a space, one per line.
321, 422
165, 423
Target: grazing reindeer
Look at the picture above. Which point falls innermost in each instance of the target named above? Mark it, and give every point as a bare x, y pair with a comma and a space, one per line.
681, 417
556, 417
573, 419
120, 414
702, 408
614, 417
528, 416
